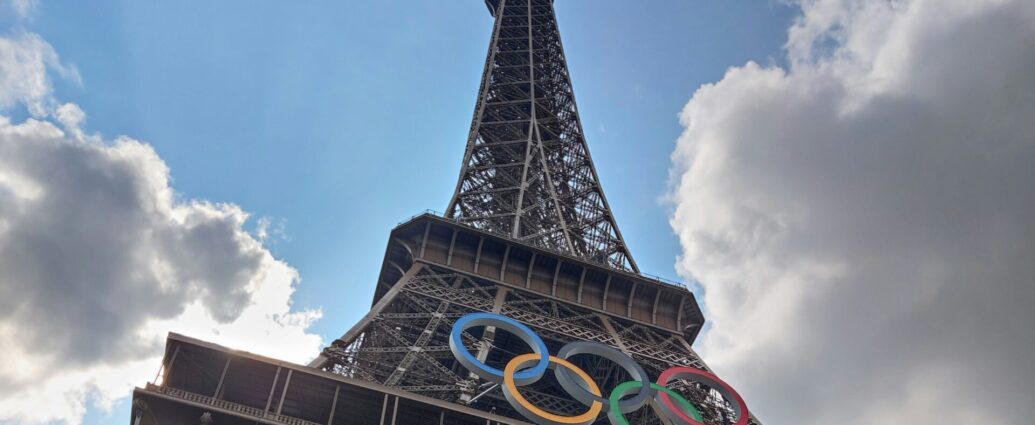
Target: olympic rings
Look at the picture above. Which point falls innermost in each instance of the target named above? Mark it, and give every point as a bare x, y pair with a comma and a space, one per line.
489, 373
712, 381
517, 373
540, 416
618, 418
600, 350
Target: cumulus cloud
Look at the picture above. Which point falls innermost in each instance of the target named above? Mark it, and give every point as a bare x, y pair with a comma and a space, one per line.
861, 221
100, 259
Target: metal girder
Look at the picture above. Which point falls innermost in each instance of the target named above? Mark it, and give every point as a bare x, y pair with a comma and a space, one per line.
527, 172
417, 348
395, 347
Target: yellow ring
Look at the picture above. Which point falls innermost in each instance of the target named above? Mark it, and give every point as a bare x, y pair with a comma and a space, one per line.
508, 380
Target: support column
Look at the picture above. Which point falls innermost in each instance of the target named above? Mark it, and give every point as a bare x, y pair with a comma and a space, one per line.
384, 409
478, 255
488, 337
395, 410
582, 281
273, 388
334, 404
424, 240
166, 369
619, 343
503, 264
632, 296
283, 393
222, 377
528, 276
452, 244
354, 332
654, 309
556, 273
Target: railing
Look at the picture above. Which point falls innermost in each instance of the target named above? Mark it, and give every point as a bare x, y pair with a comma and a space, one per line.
427, 212
442, 216
255, 413
664, 280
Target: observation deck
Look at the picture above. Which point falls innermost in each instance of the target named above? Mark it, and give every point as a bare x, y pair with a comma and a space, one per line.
201, 382
442, 242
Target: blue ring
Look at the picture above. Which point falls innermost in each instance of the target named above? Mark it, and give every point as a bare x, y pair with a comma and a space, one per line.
489, 373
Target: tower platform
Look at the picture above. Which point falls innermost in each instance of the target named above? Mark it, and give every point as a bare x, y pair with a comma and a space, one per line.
204, 383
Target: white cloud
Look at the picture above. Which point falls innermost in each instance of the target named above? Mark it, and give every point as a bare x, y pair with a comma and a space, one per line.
100, 259
861, 222
26, 60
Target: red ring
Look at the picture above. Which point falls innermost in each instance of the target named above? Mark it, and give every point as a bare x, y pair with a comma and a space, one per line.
667, 375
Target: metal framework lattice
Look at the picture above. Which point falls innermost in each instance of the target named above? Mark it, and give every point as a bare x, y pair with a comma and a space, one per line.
527, 172
527, 175
529, 235
405, 344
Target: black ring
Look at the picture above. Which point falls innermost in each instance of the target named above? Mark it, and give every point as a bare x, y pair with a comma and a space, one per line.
580, 393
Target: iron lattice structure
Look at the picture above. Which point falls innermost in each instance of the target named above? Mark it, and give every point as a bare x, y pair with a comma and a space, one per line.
527, 172
438, 269
406, 345
528, 234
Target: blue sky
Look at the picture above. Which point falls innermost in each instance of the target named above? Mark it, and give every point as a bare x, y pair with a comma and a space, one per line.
340, 119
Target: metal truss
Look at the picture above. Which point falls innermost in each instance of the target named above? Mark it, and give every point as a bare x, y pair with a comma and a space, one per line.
405, 344
527, 172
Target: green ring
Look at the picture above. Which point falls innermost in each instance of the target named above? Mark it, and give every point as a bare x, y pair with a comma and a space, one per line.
618, 418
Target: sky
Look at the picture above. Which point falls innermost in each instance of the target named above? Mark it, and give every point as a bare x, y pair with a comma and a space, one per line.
844, 185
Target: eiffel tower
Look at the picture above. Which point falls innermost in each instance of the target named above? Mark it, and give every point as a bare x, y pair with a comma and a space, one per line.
527, 234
